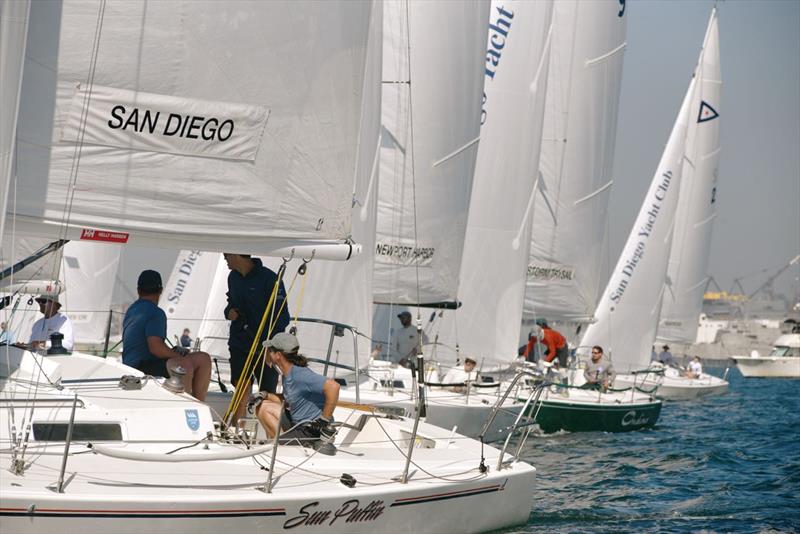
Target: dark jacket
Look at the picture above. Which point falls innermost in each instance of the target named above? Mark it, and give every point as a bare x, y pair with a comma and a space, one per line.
250, 295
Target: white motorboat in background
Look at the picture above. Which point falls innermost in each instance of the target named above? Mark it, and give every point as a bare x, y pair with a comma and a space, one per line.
782, 362
672, 383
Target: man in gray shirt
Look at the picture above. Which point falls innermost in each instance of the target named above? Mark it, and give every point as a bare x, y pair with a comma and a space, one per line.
599, 372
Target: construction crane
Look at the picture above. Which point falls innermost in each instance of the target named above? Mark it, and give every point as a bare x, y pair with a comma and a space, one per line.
767, 285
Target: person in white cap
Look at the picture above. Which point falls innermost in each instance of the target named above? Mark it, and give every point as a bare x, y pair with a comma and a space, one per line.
52, 322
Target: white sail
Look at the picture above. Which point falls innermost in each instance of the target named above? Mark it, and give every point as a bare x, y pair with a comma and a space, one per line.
13, 35
628, 312
89, 272
162, 127
498, 232
570, 207
188, 289
687, 274
195, 294
433, 76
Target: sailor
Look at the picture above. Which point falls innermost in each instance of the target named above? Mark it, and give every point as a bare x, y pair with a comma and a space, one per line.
461, 376
143, 332
695, 368
556, 344
310, 398
52, 322
406, 341
186, 340
599, 373
665, 356
250, 285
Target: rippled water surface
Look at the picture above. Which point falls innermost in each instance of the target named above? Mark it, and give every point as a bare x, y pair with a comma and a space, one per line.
729, 463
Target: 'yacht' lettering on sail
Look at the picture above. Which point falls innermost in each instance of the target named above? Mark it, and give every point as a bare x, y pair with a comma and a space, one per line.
644, 232
498, 33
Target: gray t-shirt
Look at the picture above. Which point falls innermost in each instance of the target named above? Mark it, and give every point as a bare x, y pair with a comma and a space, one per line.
302, 389
596, 373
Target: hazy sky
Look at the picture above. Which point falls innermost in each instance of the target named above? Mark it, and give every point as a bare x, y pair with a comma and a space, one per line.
758, 225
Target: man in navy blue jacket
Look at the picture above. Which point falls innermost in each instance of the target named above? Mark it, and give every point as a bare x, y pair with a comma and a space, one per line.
250, 285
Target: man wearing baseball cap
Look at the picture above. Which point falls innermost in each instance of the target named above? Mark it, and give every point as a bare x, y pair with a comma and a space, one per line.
143, 332
405, 341
310, 398
52, 322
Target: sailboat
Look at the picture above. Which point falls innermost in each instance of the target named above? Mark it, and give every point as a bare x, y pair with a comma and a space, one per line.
570, 209
686, 276
90, 442
485, 298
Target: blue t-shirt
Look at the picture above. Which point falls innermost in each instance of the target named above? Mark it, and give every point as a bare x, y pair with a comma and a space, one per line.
142, 320
302, 389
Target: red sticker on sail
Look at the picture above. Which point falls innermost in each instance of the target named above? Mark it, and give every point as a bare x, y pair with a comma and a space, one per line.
103, 235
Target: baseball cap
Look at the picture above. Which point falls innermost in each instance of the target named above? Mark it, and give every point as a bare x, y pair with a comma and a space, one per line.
404, 314
149, 280
48, 296
283, 342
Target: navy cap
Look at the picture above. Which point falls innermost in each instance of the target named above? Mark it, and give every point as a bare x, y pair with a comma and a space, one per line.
404, 314
149, 280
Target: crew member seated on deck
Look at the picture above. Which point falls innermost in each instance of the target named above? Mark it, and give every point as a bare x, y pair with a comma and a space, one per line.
52, 322
310, 398
460, 376
143, 331
599, 373
695, 368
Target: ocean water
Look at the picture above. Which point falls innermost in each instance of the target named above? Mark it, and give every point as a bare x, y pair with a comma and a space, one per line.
729, 463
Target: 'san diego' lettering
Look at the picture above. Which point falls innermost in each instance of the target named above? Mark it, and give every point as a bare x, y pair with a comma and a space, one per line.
186, 126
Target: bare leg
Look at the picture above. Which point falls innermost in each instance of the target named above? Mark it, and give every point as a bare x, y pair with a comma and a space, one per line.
269, 414
201, 363
242, 407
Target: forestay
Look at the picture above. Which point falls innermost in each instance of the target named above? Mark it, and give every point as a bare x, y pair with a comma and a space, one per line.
205, 126
687, 274
571, 200
628, 312
498, 232
432, 81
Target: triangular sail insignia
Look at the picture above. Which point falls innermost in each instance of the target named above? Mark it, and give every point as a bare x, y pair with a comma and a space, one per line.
707, 112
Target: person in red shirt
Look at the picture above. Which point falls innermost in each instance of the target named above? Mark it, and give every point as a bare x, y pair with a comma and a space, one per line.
556, 344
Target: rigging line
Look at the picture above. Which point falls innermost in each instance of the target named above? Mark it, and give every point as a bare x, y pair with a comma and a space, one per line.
594, 193
70, 197
413, 163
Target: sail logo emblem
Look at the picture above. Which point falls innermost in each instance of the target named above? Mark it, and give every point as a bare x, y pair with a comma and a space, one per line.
707, 112
192, 419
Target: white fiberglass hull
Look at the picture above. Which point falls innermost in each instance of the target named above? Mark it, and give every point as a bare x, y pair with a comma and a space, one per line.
673, 386
451, 411
155, 490
768, 366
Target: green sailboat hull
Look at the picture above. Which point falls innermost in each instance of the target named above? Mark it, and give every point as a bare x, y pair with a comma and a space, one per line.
596, 417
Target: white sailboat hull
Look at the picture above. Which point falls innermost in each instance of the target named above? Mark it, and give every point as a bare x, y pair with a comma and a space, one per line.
162, 492
768, 366
673, 386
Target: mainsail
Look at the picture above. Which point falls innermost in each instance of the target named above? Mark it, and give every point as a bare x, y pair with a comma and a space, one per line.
570, 208
628, 312
687, 274
194, 295
498, 232
155, 123
432, 81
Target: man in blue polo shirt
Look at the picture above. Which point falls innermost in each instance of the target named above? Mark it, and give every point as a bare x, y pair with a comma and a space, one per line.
143, 331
